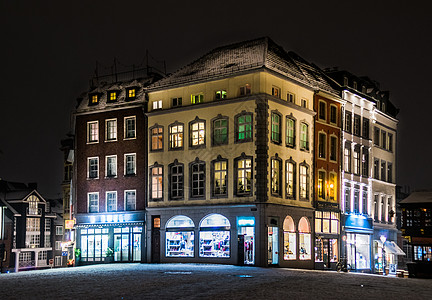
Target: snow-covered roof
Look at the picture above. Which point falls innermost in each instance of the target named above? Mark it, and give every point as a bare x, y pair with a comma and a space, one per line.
248, 56
418, 197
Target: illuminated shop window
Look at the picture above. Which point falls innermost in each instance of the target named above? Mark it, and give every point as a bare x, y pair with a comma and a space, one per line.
215, 237
290, 245
321, 184
180, 237
305, 248
94, 244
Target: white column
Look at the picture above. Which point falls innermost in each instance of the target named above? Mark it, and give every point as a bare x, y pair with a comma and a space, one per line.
36, 258
17, 260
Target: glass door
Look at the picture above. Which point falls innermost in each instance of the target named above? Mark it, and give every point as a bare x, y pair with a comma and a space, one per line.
273, 246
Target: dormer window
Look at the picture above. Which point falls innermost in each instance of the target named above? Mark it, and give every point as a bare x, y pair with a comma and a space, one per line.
221, 94
345, 81
33, 205
131, 93
112, 96
355, 85
94, 99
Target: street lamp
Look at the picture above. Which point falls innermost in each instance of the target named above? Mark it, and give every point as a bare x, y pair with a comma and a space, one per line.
383, 240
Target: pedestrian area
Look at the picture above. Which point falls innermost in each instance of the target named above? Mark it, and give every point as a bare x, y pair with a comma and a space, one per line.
204, 281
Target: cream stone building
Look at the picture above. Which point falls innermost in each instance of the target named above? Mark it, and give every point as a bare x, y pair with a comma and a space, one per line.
230, 158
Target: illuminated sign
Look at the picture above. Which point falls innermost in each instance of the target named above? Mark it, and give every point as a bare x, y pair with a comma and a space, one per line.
358, 221
69, 224
245, 221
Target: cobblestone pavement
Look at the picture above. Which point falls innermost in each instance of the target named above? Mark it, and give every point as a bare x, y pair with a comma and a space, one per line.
203, 281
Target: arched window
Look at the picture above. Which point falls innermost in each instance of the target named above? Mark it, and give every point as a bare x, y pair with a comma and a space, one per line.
215, 236
304, 239
180, 237
290, 245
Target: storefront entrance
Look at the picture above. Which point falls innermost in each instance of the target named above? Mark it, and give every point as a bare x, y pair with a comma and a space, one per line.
326, 252
358, 251
248, 244
127, 244
273, 245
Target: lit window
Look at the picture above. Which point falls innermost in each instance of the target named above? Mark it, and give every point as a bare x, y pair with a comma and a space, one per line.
156, 138
220, 95
290, 179
197, 133
197, 179
130, 200
304, 136
157, 104
276, 92
176, 180
220, 131
58, 245
244, 128
365, 162
220, 177
276, 177
347, 158
130, 127
290, 132
176, 136
93, 167
304, 182
245, 90
111, 130
93, 132
156, 174
111, 166
130, 164
94, 99
176, 102
276, 128
244, 176
93, 202
111, 201
332, 186
198, 98
357, 160
321, 184
112, 96
131, 93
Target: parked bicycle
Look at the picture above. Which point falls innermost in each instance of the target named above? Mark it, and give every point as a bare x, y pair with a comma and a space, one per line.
342, 265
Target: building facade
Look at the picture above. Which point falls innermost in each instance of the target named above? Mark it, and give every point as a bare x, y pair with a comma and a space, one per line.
110, 170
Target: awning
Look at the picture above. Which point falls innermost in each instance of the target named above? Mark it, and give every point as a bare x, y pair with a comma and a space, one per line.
392, 247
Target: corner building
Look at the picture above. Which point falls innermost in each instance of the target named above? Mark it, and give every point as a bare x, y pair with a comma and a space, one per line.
230, 158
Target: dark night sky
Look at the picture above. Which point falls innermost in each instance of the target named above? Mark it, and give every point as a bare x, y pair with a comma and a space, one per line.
48, 53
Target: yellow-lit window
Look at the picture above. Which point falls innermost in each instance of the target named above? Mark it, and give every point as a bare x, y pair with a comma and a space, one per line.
94, 99
131, 93
332, 187
113, 96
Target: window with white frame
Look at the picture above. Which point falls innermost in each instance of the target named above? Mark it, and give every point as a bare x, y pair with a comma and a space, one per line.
197, 133
291, 179
304, 181
156, 177
59, 230
219, 177
93, 202
357, 160
42, 255
197, 178
111, 201
111, 166
176, 135
93, 132
47, 224
130, 164
130, 127
93, 167
130, 200
47, 239
58, 245
347, 157
58, 261
33, 224
243, 168
276, 176
157, 104
332, 186
156, 133
111, 130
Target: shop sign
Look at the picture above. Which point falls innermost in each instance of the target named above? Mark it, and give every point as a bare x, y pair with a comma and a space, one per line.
64, 253
69, 224
358, 221
245, 221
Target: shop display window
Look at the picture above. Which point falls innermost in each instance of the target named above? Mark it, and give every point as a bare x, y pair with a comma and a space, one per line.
305, 248
94, 244
358, 251
215, 236
180, 237
290, 244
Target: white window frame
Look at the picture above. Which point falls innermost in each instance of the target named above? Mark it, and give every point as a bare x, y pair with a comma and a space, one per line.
88, 202
115, 200
106, 165
88, 167
107, 133
126, 129
125, 200
89, 135
157, 104
125, 164
59, 230
58, 260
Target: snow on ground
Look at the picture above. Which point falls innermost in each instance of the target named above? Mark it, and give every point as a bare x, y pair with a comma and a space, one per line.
204, 281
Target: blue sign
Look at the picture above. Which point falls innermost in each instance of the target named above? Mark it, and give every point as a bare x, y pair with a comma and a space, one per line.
64, 253
358, 221
245, 221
